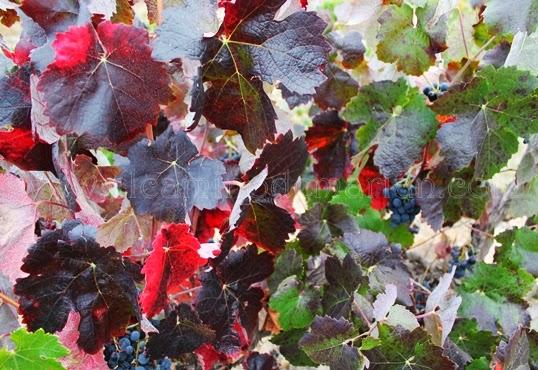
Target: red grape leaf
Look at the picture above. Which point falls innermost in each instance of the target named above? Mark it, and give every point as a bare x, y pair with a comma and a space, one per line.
250, 45
285, 160
265, 224
77, 358
330, 141
181, 331
373, 183
55, 15
226, 292
240, 104
19, 214
95, 87
337, 90
208, 221
167, 177
20, 147
15, 102
174, 258
69, 273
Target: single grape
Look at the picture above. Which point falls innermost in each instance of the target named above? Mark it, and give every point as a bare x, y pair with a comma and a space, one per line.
142, 359
135, 335
443, 86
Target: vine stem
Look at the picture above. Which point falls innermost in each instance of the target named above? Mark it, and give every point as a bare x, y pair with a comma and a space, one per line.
8, 300
460, 73
463, 32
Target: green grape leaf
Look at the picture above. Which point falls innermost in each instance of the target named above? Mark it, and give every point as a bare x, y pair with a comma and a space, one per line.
295, 303
395, 118
288, 263
329, 343
352, 198
37, 350
401, 349
478, 364
498, 282
373, 106
411, 46
467, 335
490, 314
496, 107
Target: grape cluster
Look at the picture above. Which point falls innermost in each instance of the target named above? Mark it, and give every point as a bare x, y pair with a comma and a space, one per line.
129, 352
434, 92
402, 203
461, 265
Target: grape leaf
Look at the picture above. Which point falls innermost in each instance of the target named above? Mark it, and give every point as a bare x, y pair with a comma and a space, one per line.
33, 350
494, 108
411, 46
468, 336
125, 230
321, 223
240, 104
55, 15
265, 224
166, 178
490, 314
227, 293
181, 32
373, 106
15, 102
174, 259
402, 139
407, 350
337, 90
350, 47
516, 351
181, 331
430, 198
295, 303
444, 305
523, 52
366, 246
330, 141
271, 49
288, 344
19, 214
287, 263
326, 343
383, 302
77, 358
519, 15
343, 279
69, 273
285, 160
94, 72
498, 282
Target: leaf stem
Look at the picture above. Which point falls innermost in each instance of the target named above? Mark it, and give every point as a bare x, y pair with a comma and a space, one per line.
8, 300
460, 17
